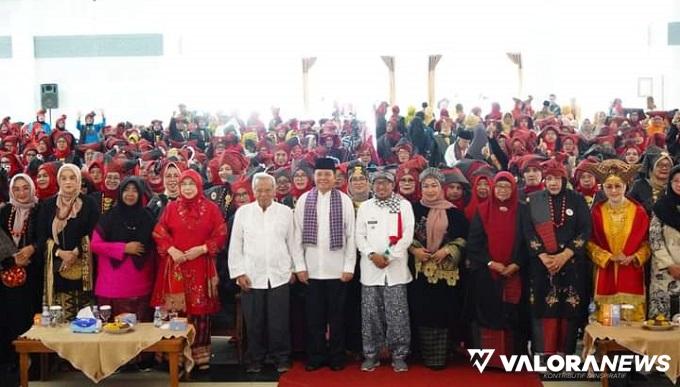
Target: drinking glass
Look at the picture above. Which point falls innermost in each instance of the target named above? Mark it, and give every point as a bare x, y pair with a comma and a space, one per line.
164, 313
627, 314
105, 311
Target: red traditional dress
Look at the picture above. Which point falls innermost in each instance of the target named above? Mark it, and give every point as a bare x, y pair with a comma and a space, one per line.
621, 229
190, 286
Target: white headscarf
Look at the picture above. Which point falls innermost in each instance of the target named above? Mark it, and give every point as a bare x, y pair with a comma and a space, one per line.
68, 206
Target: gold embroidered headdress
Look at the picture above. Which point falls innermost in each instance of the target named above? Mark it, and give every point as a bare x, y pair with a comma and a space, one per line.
614, 167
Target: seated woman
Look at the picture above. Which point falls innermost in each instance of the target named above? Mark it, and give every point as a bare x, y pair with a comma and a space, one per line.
664, 237
495, 271
65, 222
618, 244
124, 248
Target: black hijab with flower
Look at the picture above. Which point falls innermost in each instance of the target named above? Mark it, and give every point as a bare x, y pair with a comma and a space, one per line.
125, 223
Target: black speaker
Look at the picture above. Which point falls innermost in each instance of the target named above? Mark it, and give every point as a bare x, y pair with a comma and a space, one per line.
49, 96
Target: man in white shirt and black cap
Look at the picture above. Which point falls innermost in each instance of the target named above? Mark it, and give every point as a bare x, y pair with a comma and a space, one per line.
260, 259
384, 232
324, 231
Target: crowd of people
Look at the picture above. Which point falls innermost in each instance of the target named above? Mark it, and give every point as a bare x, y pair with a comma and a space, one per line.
440, 230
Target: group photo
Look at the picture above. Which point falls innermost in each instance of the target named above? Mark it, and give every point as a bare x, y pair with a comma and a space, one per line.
339, 193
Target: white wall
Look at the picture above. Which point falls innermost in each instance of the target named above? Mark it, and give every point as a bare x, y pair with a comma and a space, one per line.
246, 54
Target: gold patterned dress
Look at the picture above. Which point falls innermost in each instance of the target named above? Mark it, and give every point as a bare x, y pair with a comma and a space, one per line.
618, 230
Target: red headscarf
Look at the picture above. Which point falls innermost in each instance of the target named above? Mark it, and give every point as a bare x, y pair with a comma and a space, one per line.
191, 207
112, 167
62, 154
243, 184
52, 187
99, 187
310, 182
15, 163
48, 146
584, 166
475, 200
402, 171
499, 220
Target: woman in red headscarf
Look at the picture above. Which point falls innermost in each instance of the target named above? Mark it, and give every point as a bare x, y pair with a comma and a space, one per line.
302, 180
10, 163
496, 285
585, 182
62, 149
189, 234
407, 184
243, 192
96, 172
44, 146
481, 190
46, 180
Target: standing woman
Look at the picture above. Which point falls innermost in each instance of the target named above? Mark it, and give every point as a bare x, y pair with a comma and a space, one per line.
618, 245
664, 238
46, 180
495, 252
20, 299
171, 174
189, 234
556, 229
65, 222
124, 248
439, 240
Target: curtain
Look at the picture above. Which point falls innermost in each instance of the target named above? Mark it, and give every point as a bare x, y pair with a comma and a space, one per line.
307, 64
516, 59
432, 62
389, 62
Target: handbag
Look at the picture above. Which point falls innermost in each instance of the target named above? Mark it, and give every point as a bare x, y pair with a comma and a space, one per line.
80, 267
12, 276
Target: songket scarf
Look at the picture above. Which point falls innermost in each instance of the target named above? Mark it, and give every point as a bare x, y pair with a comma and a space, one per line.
310, 226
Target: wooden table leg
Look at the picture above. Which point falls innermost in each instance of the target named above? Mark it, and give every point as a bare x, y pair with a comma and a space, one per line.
173, 360
23, 369
44, 366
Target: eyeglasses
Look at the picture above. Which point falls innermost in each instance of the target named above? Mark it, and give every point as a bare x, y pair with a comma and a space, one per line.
407, 180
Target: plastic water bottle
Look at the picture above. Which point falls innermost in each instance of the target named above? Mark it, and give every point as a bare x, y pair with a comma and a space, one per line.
592, 312
616, 314
45, 317
157, 317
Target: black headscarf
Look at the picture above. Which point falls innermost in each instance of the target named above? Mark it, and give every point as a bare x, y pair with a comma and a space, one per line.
125, 223
667, 207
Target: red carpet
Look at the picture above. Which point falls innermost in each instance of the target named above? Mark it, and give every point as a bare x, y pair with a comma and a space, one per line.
458, 374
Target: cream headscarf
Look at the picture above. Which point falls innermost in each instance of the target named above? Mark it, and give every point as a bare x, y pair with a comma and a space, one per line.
68, 205
22, 209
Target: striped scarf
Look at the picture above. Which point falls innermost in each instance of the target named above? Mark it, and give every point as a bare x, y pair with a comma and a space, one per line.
310, 227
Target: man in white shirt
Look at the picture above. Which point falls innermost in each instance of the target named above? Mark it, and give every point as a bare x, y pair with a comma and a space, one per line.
384, 232
324, 230
260, 259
